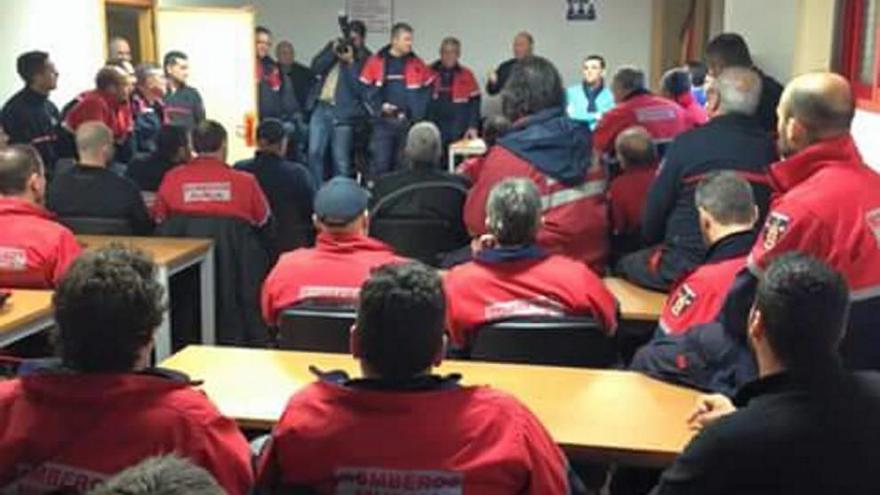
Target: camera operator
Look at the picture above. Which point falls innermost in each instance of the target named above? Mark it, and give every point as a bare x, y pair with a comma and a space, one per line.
336, 99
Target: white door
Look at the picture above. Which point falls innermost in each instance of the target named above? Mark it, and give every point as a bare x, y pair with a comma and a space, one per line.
220, 45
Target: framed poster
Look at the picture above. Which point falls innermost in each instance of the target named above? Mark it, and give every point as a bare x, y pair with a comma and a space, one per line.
378, 15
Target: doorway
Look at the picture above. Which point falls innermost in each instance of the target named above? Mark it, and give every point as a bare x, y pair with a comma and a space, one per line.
681, 29
134, 21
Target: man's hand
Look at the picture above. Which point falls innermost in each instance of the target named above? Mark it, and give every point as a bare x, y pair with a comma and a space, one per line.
709, 409
347, 56
493, 77
389, 109
485, 241
472, 134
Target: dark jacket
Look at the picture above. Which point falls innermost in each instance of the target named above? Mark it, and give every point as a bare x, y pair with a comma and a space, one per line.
771, 92
148, 120
100, 193
302, 79
455, 101
288, 187
503, 73
31, 118
728, 142
787, 437
275, 93
184, 107
147, 171
349, 96
417, 79
241, 264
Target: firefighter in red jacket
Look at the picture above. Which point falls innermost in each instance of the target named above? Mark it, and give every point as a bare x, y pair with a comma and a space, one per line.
728, 214
341, 260
664, 119
400, 428
70, 426
553, 151
107, 103
629, 190
35, 251
398, 88
512, 277
208, 186
455, 99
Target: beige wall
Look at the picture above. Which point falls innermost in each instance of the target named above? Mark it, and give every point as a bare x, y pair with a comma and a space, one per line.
815, 36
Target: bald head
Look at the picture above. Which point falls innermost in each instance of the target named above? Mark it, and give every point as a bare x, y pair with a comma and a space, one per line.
21, 170
94, 142
120, 49
821, 102
635, 148
523, 45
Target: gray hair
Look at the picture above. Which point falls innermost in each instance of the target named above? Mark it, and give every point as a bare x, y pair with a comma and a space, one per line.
739, 90
147, 70
635, 147
629, 79
513, 212
164, 475
727, 197
424, 146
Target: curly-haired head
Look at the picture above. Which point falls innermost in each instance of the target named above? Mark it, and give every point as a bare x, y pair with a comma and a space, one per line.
107, 307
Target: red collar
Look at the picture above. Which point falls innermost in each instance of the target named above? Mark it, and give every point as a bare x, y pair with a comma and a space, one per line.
207, 161
17, 206
349, 243
838, 152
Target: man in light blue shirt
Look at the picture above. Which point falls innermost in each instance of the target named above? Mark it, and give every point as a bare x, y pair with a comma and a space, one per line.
586, 102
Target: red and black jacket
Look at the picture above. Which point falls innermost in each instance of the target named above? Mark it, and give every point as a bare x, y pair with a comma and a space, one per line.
418, 78
455, 100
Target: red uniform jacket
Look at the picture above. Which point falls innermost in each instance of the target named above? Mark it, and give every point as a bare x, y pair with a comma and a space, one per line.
575, 218
504, 283
694, 113
829, 207
333, 270
626, 198
464, 85
664, 119
75, 430
416, 73
97, 105
449, 441
35, 251
206, 186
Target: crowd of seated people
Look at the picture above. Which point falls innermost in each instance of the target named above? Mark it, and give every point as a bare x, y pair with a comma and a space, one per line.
748, 204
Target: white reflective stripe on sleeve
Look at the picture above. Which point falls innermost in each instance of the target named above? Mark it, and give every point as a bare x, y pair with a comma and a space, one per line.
572, 194
663, 326
864, 294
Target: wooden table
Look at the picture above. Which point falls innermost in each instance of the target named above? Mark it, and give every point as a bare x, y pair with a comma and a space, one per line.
465, 148
172, 255
25, 313
598, 415
636, 303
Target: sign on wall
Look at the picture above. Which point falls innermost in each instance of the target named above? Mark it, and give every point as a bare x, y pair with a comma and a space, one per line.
378, 15
581, 10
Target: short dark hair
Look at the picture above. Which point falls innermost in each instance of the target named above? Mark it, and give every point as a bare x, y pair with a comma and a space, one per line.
819, 114
170, 140
18, 162
358, 27
107, 307
629, 79
29, 64
534, 85
109, 76
172, 57
262, 30
165, 475
400, 319
271, 131
598, 58
676, 81
635, 148
208, 137
730, 50
804, 305
400, 27
727, 197
494, 128
698, 72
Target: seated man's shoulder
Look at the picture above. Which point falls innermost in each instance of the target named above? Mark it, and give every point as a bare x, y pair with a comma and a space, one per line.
246, 165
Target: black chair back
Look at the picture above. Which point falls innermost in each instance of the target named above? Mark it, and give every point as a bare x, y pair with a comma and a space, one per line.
97, 226
566, 341
316, 329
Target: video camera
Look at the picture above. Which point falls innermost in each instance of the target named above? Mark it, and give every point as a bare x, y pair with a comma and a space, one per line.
344, 43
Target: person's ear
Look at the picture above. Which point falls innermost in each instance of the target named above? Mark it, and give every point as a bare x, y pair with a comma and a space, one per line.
354, 344
796, 133
756, 331
316, 222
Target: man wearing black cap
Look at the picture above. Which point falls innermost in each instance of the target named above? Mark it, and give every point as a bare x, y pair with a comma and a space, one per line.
341, 261
288, 185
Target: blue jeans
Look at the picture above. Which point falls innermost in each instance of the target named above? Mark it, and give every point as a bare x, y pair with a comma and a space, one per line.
386, 143
325, 132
